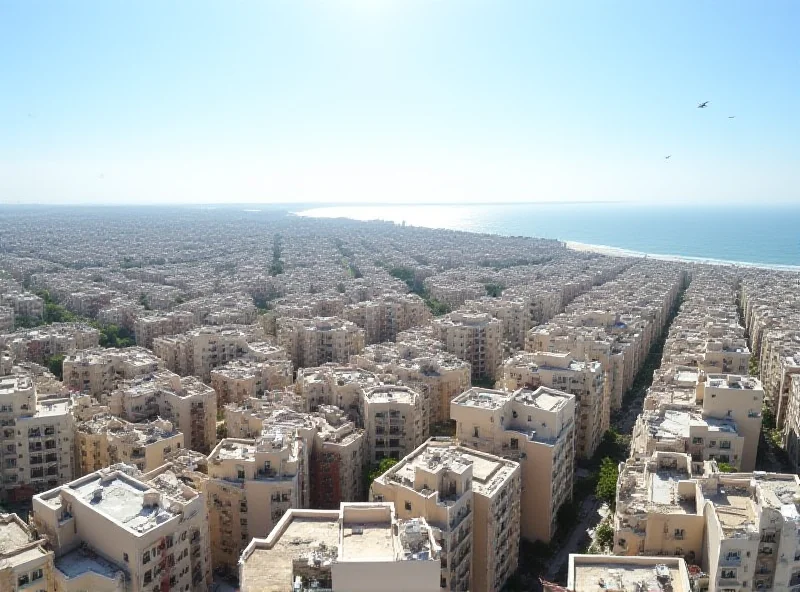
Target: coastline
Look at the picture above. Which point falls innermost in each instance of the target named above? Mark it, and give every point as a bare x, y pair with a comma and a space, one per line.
619, 252
607, 250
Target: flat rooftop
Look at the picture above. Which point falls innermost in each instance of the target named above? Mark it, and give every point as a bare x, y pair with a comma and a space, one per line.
612, 573
270, 570
543, 398
122, 500
12, 534
82, 561
391, 395
367, 541
482, 398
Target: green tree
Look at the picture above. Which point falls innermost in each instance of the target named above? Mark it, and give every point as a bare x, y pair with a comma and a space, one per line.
493, 290
604, 535
56, 365
725, 467
607, 481
378, 470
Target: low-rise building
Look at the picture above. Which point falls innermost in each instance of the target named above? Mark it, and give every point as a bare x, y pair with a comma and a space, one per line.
361, 547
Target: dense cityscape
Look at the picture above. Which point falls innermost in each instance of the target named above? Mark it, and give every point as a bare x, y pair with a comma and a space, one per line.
222, 398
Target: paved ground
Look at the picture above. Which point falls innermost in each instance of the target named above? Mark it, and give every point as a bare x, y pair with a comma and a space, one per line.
590, 518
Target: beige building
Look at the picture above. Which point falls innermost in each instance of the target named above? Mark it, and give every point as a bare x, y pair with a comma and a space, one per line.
105, 440
383, 318
394, 421
41, 343
24, 562
590, 573
251, 483
584, 380
471, 499
189, 404
95, 371
117, 530
444, 375
239, 380
198, 351
740, 528
313, 342
537, 430
36, 447
148, 328
362, 547
473, 337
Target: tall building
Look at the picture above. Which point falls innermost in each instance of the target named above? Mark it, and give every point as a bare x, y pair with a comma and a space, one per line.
537, 430
117, 530
584, 380
239, 380
394, 421
95, 371
473, 337
471, 498
37, 446
361, 547
189, 404
251, 483
313, 342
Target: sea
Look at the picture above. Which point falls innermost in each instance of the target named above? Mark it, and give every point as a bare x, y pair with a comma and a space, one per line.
757, 235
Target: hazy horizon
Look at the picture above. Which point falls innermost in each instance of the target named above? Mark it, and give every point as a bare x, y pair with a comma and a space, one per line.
399, 101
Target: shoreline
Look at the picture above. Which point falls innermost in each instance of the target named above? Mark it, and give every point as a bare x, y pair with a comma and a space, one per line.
620, 252
606, 250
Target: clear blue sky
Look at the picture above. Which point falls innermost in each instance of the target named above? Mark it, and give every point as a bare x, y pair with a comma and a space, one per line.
398, 100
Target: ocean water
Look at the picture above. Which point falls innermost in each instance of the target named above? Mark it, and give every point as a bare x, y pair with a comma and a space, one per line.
766, 235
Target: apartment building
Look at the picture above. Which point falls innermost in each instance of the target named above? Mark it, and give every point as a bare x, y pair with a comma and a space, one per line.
475, 338
535, 428
740, 399
105, 440
95, 371
394, 421
560, 371
39, 344
444, 375
36, 436
740, 527
24, 304
198, 351
588, 573
189, 404
361, 547
239, 380
316, 341
471, 499
338, 449
116, 530
148, 328
384, 317
25, 564
7, 319
251, 483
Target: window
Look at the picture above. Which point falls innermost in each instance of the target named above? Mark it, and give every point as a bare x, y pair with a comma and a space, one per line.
679, 532
36, 574
146, 557
530, 418
408, 506
169, 541
23, 580
514, 444
475, 432
125, 557
728, 574
148, 577
697, 440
